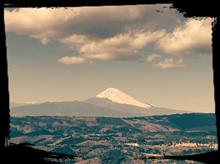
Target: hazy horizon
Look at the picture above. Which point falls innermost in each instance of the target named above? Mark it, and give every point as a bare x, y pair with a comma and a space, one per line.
150, 52
15, 104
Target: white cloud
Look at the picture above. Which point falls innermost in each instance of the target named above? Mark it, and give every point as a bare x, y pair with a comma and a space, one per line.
158, 61
114, 33
153, 57
67, 60
42, 23
45, 41
170, 63
122, 46
47, 23
191, 38
75, 39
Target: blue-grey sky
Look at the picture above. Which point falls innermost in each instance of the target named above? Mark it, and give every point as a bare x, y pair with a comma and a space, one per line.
150, 52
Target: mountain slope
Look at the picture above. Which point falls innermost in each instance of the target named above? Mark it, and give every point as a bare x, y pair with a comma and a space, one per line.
74, 108
134, 110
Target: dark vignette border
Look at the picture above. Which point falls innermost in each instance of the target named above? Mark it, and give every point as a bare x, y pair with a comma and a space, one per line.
189, 9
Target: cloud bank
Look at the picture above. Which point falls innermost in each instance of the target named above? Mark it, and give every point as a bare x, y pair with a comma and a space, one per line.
115, 33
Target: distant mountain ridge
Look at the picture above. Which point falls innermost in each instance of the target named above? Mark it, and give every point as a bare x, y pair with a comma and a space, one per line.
109, 103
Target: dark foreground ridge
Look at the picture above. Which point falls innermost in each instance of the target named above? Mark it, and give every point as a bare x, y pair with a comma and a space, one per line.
26, 154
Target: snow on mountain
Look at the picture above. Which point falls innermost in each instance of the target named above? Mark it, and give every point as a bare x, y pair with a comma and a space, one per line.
120, 97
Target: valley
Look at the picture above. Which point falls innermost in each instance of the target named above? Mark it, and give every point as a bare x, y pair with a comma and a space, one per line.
118, 140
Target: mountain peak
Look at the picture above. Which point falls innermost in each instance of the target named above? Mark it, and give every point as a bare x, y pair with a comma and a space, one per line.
118, 96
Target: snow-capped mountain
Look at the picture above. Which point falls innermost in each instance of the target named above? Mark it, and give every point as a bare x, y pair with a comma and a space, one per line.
119, 101
117, 96
110, 103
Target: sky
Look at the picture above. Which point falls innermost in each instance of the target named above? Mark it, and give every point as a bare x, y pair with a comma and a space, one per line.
151, 52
